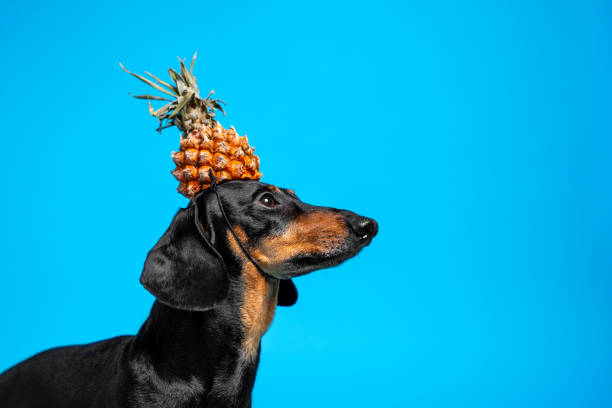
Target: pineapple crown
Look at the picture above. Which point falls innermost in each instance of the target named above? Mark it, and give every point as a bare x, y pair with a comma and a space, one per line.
187, 110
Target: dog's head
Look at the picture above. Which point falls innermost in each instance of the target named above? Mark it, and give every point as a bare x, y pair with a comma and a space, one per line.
194, 261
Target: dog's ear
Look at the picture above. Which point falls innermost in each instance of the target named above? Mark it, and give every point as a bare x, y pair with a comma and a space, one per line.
184, 270
287, 293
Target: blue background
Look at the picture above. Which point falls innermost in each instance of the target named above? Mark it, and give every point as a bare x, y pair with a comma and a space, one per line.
476, 133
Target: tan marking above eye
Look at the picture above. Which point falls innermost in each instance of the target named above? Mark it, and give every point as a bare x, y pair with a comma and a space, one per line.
274, 188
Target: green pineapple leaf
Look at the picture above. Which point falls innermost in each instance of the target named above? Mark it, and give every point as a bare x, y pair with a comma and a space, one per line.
145, 80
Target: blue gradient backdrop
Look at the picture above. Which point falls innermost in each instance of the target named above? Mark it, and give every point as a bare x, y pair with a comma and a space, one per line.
476, 133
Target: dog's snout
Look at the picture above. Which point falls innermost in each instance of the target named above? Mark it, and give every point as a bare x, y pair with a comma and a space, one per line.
364, 228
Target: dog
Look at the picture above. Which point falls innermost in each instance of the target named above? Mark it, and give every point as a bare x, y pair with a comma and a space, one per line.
217, 273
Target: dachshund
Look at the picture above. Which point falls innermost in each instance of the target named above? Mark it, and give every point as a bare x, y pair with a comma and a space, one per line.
217, 273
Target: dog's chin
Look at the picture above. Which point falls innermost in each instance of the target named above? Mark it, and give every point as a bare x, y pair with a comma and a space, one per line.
306, 263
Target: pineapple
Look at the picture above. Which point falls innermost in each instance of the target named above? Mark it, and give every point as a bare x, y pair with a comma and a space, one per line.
205, 145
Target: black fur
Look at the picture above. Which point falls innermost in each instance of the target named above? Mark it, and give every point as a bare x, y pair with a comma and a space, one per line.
189, 351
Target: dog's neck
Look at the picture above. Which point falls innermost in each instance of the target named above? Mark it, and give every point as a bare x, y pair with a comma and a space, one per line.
211, 356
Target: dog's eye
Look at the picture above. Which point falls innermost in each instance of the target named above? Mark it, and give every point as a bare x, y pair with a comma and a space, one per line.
268, 200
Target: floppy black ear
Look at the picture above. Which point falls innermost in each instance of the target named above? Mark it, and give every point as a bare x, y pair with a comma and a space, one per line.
287, 293
184, 270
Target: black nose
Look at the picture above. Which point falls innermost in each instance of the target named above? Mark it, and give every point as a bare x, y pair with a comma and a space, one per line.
364, 228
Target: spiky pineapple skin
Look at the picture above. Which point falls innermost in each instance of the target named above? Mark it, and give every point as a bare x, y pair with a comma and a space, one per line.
203, 148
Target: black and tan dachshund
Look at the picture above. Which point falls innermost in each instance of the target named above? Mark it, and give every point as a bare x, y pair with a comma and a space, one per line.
217, 273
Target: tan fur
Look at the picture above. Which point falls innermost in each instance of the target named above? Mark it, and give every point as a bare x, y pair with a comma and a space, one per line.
259, 299
313, 232
274, 188
259, 305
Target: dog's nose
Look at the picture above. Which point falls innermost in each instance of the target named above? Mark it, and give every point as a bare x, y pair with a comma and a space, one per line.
364, 227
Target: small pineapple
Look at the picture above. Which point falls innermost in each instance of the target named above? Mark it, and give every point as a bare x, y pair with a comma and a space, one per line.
205, 144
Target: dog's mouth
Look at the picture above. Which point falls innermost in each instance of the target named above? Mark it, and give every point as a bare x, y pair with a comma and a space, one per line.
304, 263
321, 240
